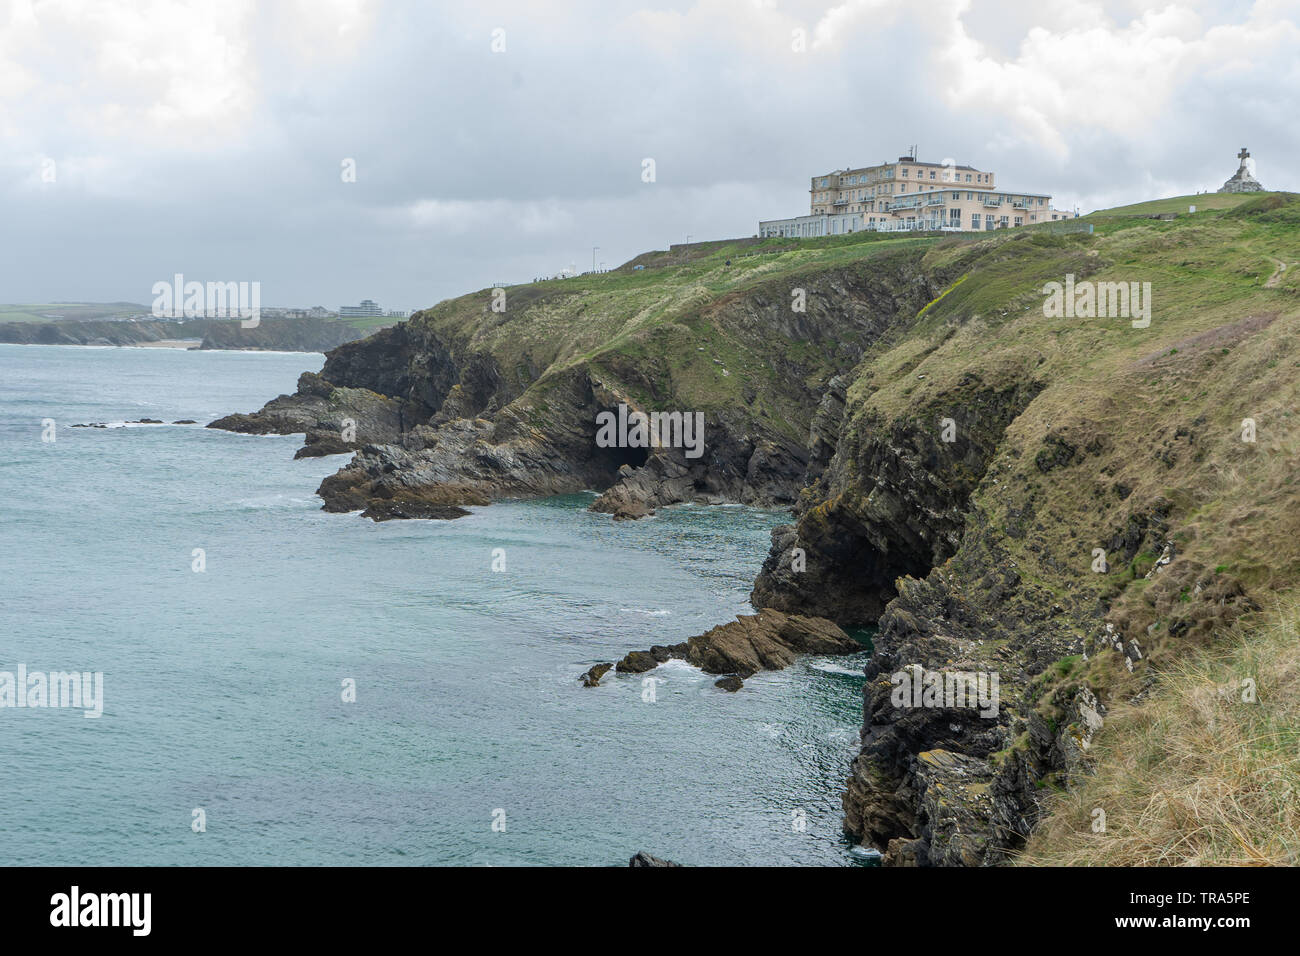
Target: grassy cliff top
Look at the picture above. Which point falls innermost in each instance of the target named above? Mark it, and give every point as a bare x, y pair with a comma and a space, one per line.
59, 311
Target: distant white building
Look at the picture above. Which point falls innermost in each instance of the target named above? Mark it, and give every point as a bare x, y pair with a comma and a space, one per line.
368, 307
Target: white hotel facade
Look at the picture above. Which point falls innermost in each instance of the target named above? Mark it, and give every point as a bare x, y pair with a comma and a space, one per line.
912, 195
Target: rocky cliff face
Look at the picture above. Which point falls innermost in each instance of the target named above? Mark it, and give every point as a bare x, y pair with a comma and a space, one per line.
891, 503
1040, 502
482, 413
1037, 511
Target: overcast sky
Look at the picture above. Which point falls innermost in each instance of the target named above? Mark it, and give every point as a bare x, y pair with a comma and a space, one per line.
209, 138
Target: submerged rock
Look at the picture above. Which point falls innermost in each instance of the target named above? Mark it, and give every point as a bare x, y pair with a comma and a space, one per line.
645, 859
593, 676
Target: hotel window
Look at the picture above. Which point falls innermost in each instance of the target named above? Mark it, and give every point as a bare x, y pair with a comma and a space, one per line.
905, 172
975, 221
1020, 220
932, 174
968, 177
956, 195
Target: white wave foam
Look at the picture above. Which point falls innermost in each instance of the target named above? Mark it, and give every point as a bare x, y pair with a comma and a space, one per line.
831, 667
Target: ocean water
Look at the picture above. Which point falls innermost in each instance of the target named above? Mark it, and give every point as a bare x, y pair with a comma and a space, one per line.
470, 740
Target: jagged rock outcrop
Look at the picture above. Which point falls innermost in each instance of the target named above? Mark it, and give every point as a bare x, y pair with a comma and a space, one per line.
894, 504
764, 474
594, 673
334, 420
463, 403
768, 640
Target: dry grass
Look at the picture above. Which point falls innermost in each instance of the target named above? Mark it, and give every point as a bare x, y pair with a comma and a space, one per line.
1195, 776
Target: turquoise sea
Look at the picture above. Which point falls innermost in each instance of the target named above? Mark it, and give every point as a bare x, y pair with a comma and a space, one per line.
223, 688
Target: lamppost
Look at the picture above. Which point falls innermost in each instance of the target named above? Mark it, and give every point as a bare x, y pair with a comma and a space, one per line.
593, 257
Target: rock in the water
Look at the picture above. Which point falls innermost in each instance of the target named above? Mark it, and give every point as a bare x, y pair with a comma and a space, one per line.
768, 640
388, 509
645, 859
637, 662
325, 414
593, 676
732, 683
352, 489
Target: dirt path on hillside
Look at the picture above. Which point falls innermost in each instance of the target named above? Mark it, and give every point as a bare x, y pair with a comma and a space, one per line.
1276, 277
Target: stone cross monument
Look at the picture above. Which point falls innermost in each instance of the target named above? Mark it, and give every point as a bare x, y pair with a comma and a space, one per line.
1243, 181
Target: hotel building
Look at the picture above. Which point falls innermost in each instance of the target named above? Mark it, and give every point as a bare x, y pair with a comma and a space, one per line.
910, 195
